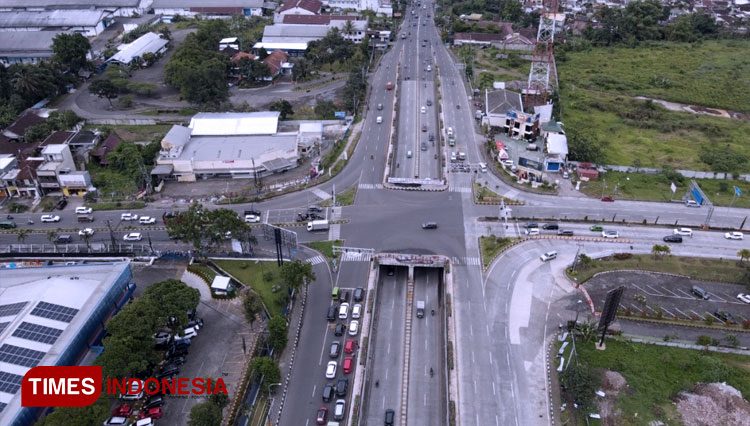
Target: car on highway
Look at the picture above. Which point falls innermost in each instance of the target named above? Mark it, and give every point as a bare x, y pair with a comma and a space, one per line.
531, 231
146, 220
50, 218
429, 102
610, 234
86, 232
389, 417
565, 232
685, 232
84, 210
339, 330
357, 311
133, 236
531, 225
349, 346
63, 239
339, 410
429, 225
596, 228
128, 216
549, 256
321, 417
734, 236
673, 238
423, 146
608, 199
353, 327
424, 127
341, 387
691, 203
252, 218
335, 349
344, 311
550, 226
745, 298
429, 67
380, 107
331, 369
379, 120
423, 110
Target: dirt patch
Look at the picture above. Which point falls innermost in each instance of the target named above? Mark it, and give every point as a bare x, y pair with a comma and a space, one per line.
713, 404
612, 384
687, 259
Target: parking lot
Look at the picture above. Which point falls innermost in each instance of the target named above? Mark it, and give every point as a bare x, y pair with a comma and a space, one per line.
670, 295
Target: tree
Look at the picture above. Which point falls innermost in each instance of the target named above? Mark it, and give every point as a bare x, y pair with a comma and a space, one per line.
659, 250
32, 83
277, 332
512, 11
70, 50
581, 382
219, 399
174, 299
348, 28
743, 254
301, 69
251, 305
104, 88
199, 226
205, 414
584, 148
354, 90
265, 367
37, 132
21, 234
283, 107
86, 237
93, 414
294, 273
325, 109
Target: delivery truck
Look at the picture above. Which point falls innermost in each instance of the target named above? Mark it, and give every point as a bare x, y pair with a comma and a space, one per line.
420, 309
317, 225
85, 218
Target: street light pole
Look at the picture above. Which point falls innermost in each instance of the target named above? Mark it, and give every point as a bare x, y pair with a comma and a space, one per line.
270, 385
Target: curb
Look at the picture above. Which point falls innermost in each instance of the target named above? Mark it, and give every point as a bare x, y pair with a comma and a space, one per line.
291, 360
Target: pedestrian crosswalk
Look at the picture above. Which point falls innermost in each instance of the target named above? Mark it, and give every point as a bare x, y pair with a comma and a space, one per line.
474, 261
462, 189
355, 257
316, 260
320, 193
335, 232
370, 186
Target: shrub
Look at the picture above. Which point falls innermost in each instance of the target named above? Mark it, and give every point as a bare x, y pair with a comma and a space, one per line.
622, 256
267, 276
704, 340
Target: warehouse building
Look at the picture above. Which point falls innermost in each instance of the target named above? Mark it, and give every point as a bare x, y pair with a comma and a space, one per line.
147, 43
53, 315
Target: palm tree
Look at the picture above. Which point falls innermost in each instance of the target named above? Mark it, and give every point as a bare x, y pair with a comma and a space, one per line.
27, 82
21, 234
743, 254
348, 28
52, 237
86, 237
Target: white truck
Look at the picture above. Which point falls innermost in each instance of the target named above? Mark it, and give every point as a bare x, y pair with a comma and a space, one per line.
420, 308
317, 225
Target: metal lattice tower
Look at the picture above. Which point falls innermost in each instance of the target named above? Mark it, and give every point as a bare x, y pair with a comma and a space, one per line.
542, 61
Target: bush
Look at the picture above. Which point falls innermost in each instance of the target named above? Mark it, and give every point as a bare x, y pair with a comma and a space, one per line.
622, 256
267, 276
704, 340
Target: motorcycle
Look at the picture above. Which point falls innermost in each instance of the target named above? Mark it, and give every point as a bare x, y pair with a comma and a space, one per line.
30, 222
10, 217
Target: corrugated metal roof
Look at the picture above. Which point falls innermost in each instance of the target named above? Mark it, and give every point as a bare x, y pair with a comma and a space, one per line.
27, 41
186, 4
147, 43
52, 18
235, 123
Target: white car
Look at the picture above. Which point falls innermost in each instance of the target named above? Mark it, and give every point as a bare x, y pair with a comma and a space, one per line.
357, 311
733, 235
507, 163
86, 231
147, 220
424, 110
532, 231
190, 333
252, 218
343, 311
686, 232
115, 421
549, 256
128, 216
84, 210
379, 119
135, 392
744, 297
610, 234
353, 327
331, 370
50, 218
133, 236
339, 410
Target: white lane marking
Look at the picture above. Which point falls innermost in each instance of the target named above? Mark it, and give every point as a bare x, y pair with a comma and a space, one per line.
314, 388
490, 358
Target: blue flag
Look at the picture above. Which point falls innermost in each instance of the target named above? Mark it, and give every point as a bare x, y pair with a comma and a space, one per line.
738, 191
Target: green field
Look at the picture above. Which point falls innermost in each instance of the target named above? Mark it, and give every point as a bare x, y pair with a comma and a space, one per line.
654, 374
250, 273
710, 74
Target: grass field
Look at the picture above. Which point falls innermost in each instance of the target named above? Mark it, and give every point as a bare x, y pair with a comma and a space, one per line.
697, 268
657, 373
250, 273
491, 247
640, 186
325, 247
710, 74
134, 133
487, 59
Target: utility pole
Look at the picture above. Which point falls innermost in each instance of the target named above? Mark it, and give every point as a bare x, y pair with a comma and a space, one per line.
111, 233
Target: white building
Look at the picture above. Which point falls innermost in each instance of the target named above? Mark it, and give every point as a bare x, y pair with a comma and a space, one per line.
303, 33
498, 103
234, 123
206, 8
87, 22
147, 43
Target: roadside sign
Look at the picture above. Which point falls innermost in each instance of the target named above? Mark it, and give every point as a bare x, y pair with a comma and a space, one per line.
673, 187
738, 191
339, 114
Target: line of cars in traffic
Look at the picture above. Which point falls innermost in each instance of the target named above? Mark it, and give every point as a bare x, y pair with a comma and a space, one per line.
340, 314
176, 349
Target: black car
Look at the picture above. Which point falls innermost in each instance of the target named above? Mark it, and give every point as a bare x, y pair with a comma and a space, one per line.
339, 330
344, 297
391, 271
550, 226
153, 402
174, 351
328, 392
253, 212
332, 313
359, 294
724, 316
673, 239
341, 386
389, 416
61, 204
531, 225
565, 232
429, 225
63, 239
168, 371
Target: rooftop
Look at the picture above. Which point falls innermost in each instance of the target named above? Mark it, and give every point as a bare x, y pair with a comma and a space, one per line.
281, 45
500, 101
42, 311
54, 149
234, 123
205, 4
274, 60
52, 18
26, 120
68, 4
316, 19
20, 43
227, 149
313, 6
147, 43
58, 137
176, 136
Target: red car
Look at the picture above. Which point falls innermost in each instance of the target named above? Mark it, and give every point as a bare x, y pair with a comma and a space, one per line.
154, 413
348, 364
320, 418
608, 199
349, 346
123, 410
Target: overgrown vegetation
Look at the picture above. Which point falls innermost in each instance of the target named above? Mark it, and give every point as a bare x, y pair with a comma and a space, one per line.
491, 247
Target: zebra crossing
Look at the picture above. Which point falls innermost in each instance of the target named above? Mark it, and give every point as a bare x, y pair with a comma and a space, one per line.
355, 257
316, 260
370, 186
473, 261
334, 233
462, 189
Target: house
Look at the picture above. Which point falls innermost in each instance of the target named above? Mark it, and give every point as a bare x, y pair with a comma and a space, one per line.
83, 139
135, 51
518, 41
479, 39
310, 137
57, 159
498, 103
108, 145
26, 47
21, 181
556, 152
520, 125
239, 55
15, 131
276, 62
232, 42
207, 9
89, 22
300, 7
293, 49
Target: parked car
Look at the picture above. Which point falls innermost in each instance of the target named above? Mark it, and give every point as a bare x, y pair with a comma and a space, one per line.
347, 365
673, 239
61, 204
610, 234
339, 410
724, 316
344, 311
353, 327
331, 369
341, 386
128, 216
135, 392
608, 199
745, 298
168, 371
321, 417
162, 338
549, 256
154, 413
356, 311
133, 236
49, 218
115, 421
85, 231
189, 333
153, 401
686, 232
123, 410
251, 218
335, 349
349, 346
147, 220
339, 330
734, 236
84, 210
359, 294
